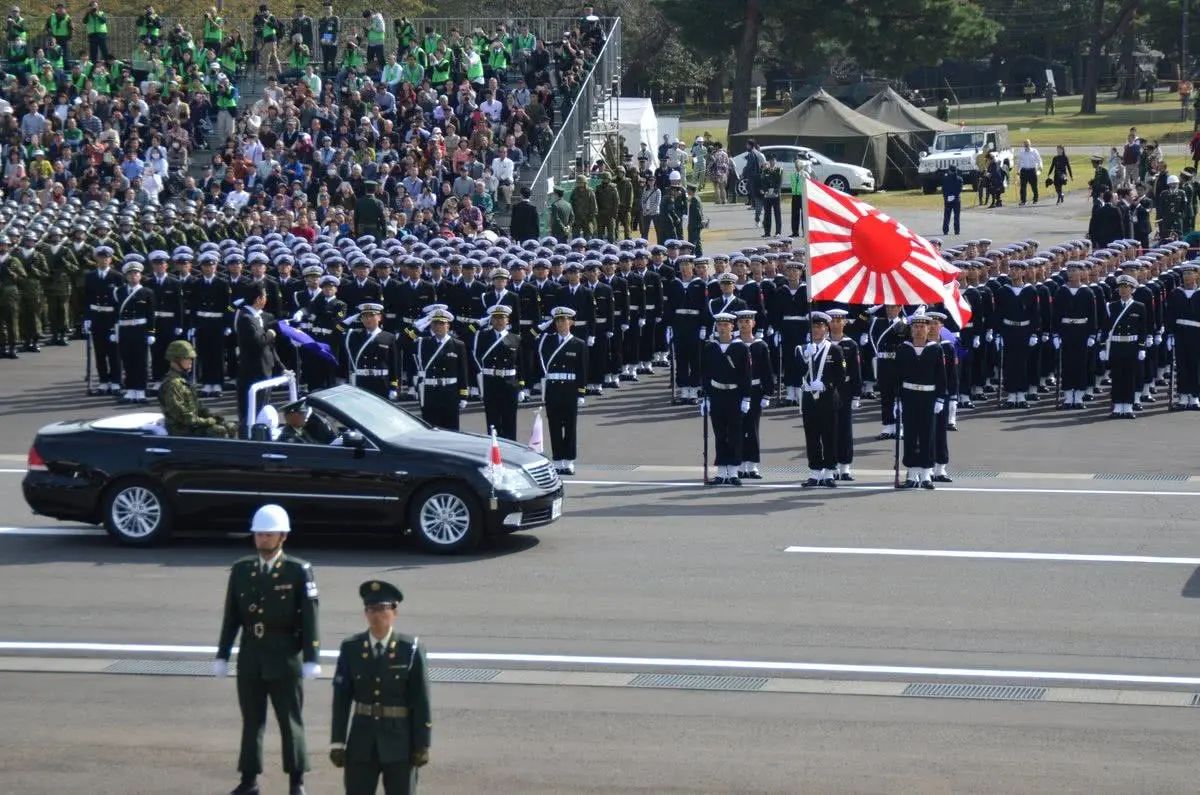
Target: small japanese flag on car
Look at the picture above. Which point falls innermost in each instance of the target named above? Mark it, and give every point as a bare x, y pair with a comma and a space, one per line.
535, 436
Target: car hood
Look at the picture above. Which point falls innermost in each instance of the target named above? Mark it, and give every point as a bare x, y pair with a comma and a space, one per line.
470, 447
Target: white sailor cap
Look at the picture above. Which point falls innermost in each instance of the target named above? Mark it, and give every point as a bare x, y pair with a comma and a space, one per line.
313, 270
133, 267
500, 309
938, 316
335, 281
158, 255
500, 273
431, 308
562, 311
102, 251
1125, 278
370, 308
745, 313
440, 315
837, 313
724, 317
818, 317
727, 278
920, 317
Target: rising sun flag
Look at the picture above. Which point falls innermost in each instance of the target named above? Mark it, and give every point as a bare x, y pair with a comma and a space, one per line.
859, 255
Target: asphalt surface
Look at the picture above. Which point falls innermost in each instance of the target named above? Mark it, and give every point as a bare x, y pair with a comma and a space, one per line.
649, 573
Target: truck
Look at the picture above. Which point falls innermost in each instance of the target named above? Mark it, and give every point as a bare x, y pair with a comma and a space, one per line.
962, 148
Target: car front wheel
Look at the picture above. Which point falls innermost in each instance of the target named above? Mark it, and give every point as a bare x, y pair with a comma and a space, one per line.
743, 186
839, 183
446, 519
136, 513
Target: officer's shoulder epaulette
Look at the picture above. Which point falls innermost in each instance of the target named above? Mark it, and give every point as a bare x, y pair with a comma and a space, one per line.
407, 640
297, 562
249, 560
354, 640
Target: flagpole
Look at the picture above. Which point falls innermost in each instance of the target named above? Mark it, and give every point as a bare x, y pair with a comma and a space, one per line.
804, 236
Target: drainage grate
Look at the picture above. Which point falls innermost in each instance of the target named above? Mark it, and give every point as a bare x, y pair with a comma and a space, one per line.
694, 682
1161, 476
1195, 702
973, 473
610, 467
797, 470
985, 692
164, 667
463, 674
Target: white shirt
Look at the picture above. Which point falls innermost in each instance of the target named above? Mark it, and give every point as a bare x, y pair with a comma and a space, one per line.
503, 168
269, 562
376, 643
237, 199
492, 109
1029, 158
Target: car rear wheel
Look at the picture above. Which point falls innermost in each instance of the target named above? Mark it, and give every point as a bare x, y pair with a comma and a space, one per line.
743, 186
136, 513
839, 183
446, 519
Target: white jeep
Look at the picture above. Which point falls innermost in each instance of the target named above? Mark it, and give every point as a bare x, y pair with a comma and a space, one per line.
961, 148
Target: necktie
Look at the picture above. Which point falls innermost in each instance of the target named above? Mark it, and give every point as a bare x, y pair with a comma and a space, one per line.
266, 569
378, 649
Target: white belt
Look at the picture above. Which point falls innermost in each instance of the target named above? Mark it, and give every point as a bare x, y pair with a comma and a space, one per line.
164, 314
368, 372
635, 306
439, 381
210, 314
1008, 322
579, 323
1192, 323
409, 319
498, 373
716, 385
526, 322
918, 387
1075, 321
649, 306
137, 321
316, 330
601, 321
99, 308
687, 311
1123, 338
794, 317
390, 315
755, 382
560, 376
885, 355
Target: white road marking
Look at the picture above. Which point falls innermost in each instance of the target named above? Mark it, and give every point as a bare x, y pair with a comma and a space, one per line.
986, 555
52, 531
818, 491
13, 471
655, 662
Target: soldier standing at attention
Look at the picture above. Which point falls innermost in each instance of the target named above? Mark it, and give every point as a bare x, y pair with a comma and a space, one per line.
762, 386
272, 601
62, 268
562, 216
823, 368
1128, 335
37, 271
922, 375
944, 420
725, 366
563, 357
851, 392
608, 201
441, 372
134, 332
382, 724
770, 183
583, 203
497, 355
11, 275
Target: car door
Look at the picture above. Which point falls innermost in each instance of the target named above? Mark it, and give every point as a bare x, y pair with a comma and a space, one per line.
331, 485
215, 480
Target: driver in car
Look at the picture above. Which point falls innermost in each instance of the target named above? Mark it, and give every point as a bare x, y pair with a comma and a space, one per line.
295, 417
182, 413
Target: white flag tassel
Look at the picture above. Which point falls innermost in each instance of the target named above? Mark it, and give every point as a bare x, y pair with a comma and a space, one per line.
535, 436
495, 464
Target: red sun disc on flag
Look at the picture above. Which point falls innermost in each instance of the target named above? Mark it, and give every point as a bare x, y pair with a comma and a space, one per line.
873, 242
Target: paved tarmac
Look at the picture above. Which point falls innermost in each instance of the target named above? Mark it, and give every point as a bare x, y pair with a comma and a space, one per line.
667, 638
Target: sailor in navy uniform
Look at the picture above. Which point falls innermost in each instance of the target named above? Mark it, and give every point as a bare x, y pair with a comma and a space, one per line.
1017, 322
725, 367
823, 375
762, 386
687, 313
886, 335
134, 332
1124, 346
497, 357
1075, 327
944, 420
168, 313
728, 301
1183, 335
327, 314
100, 319
441, 362
563, 357
922, 376
851, 393
372, 357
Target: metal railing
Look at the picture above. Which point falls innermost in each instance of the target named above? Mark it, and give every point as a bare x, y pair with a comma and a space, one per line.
568, 153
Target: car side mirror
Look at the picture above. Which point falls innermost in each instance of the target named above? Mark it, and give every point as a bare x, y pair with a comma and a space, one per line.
924, 154
353, 439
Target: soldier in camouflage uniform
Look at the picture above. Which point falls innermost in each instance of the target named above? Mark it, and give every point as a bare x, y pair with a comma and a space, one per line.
294, 419
625, 191
608, 201
81, 249
1191, 191
32, 290
63, 268
12, 274
182, 412
1172, 207
583, 203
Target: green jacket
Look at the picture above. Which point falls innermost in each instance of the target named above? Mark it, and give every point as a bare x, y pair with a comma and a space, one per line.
583, 202
12, 273
182, 412
771, 179
562, 218
62, 269
292, 435
695, 216
36, 270
276, 616
607, 199
397, 679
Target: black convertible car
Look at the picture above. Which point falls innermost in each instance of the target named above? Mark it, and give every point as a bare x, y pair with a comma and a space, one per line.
374, 466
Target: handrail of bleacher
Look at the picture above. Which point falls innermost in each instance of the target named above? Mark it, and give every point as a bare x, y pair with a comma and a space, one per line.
561, 161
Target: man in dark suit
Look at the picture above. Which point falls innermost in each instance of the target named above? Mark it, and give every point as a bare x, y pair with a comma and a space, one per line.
256, 352
524, 224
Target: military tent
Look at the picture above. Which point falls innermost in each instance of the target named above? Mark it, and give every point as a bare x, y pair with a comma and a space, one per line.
919, 128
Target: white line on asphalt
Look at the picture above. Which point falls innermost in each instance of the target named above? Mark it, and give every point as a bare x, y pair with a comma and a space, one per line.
985, 555
13, 471
51, 531
960, 489
657, 662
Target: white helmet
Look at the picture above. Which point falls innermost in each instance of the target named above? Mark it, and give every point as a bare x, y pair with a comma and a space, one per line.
271, 519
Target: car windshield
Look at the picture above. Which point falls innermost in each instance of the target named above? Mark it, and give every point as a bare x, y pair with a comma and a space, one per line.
961, 140
372, 414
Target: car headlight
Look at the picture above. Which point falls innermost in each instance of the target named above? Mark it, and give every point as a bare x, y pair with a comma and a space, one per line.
508, 478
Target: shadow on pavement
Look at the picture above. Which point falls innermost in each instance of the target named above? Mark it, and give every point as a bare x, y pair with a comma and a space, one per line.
1191, 588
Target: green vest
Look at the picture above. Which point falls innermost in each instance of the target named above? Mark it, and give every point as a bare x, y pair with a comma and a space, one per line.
526, 42
229, 61
353, 59
212, 31
55, 56
226, 99
429, 44
376, 36
440, 68
413, 74
100, 82
270, 31
498, 59
98, 23
474, 67
60, 27
298, 59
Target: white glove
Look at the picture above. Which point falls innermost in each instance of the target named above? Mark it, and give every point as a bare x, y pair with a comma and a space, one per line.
1091, 341
87, 327
228, 331
641, 322
311, 670
220, 668
778, 338
975, 342
855, 404
939, 405
150, 339
1045, 337
810, 349
609, 335
863, 339
592, 341
178, 332
670, 334
1033, 340
191, 335
704, 407
764, 403
580, 402
703, 333
462, 405
298, 316
988, 336
817, 387
393, 395
239, 302
1142, 355
522, 396
1057, 340
624, 327
999, 343
1170, 342
112, 337
1104, 355
758, 335
1158, 339
745, 405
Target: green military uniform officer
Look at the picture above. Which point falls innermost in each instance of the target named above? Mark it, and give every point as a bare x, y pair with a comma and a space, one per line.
562, 216
272, 601
295, 418
32, 289
583, 203
63, 266
381, 696
182, 412
12, 274
607, 203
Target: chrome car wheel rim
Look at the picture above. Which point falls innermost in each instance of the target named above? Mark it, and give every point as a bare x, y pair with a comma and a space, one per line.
136, 512
445, 519
839, 184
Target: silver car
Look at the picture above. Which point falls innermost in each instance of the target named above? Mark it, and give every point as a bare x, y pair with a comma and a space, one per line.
844, 177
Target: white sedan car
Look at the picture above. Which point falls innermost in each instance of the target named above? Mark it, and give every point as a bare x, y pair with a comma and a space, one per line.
844, 177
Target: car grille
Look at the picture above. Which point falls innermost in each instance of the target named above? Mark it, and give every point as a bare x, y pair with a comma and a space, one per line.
535, 517
545, 476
